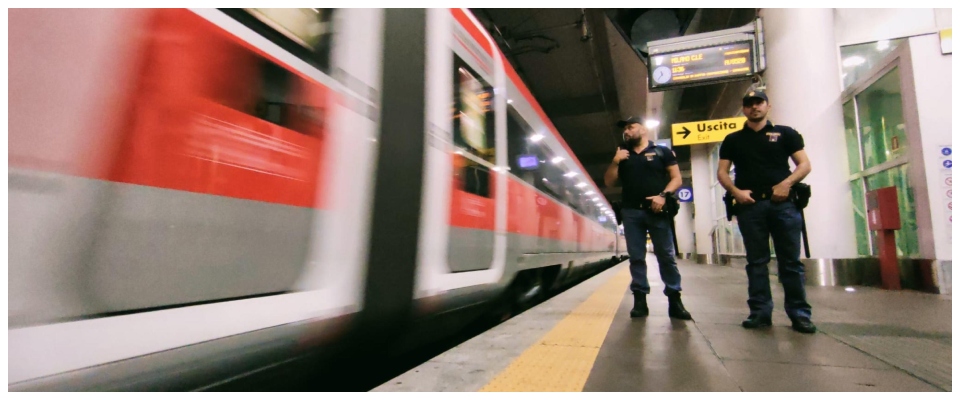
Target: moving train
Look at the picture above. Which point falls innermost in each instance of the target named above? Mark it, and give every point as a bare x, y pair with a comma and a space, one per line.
200, 196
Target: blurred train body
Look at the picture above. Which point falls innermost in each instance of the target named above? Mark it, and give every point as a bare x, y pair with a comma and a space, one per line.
199, 195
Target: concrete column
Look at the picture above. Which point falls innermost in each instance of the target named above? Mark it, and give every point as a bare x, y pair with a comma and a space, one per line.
654, 106
685, 229
803, 83
704, 218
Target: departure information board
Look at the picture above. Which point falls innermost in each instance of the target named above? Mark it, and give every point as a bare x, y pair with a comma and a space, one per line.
700, 66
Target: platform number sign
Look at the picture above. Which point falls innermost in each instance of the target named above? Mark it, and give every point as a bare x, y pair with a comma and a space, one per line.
685, 195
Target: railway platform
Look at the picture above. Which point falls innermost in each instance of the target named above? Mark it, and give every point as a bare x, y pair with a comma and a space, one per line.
868, 339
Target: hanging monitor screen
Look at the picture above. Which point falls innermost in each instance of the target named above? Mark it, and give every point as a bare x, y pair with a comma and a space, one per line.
726, 62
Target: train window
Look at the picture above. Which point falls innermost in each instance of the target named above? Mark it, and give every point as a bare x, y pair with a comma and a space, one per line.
580, 202
274, 91
524, 146
525, 162
218, 68
473, 128
278, 96
305, 32
551, 177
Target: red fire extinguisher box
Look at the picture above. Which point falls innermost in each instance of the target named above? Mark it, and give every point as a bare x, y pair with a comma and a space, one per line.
883, 215
883, 211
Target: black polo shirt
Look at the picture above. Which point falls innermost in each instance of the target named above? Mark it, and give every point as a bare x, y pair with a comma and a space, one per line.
760, 158
644, 174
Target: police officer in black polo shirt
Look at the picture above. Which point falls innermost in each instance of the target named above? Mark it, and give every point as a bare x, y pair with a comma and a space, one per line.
648, 175
759, 152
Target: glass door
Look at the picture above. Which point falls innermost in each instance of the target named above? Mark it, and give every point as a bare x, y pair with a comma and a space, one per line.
877, 144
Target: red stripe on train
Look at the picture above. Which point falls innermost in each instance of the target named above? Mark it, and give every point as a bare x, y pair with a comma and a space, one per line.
478, 35
190, 123
529, 212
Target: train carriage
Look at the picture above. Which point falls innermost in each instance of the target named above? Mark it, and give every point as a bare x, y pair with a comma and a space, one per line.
196, 195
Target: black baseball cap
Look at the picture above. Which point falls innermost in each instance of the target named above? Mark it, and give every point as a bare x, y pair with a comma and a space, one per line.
630, 120
755, 94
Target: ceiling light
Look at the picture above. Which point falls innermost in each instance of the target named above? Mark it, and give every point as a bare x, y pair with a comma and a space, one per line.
570, 174
651, 123
853, 61
581, 184
589, 193
556, 160
536, 137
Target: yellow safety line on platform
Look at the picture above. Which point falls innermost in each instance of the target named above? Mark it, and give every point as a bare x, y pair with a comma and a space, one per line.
561, 361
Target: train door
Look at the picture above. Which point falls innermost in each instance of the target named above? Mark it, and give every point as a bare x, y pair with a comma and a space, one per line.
463, 240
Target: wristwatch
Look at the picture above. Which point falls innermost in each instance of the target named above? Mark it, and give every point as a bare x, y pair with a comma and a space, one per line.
664, 194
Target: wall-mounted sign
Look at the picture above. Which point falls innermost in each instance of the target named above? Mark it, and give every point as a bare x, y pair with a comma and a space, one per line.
946, 41
710, 131
946, 185
685, 194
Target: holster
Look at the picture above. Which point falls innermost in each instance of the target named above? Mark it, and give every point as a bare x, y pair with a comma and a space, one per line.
800, 195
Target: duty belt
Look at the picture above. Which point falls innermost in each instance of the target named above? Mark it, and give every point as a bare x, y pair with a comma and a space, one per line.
638, 205
799, 195
761, 194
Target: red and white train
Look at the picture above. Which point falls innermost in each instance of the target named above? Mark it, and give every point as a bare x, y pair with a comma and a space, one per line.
199, 195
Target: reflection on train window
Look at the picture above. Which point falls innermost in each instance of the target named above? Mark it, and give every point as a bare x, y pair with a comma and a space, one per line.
473, 129
533, 162
305, 32
521, 156
547, 174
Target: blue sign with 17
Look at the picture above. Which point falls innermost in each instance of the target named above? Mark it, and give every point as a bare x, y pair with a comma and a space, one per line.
685, 195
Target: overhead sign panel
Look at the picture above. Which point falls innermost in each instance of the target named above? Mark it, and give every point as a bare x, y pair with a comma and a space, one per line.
706, 58
705, 131
702, 65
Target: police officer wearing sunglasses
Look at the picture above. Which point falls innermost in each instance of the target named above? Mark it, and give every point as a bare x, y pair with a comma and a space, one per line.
762, 191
